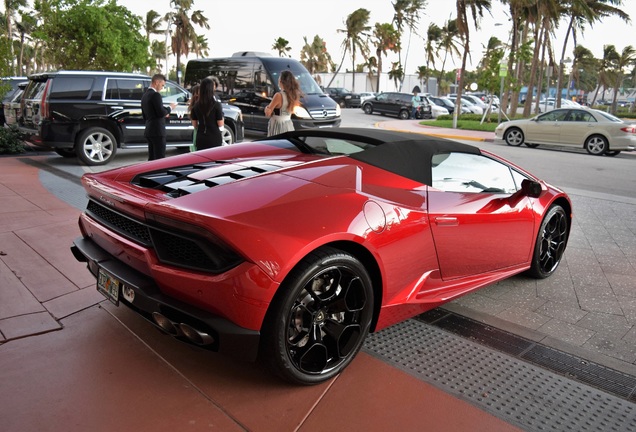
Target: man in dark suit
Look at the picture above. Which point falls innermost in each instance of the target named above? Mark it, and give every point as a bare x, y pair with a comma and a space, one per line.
155, 116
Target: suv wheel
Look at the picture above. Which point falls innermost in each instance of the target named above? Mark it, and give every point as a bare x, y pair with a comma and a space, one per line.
96, 146
227, 136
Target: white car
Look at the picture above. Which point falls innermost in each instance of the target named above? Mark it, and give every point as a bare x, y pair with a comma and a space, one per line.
598, 132
475, 109
366, 95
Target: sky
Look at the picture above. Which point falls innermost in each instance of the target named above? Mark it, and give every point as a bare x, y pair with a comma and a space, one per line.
254, 25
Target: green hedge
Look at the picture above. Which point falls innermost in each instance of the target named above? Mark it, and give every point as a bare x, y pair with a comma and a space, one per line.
10, 142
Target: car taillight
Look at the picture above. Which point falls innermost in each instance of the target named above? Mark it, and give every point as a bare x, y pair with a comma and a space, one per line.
44, 104
629, 129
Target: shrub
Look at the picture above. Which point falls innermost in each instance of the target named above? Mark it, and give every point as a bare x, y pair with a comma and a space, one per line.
10, 142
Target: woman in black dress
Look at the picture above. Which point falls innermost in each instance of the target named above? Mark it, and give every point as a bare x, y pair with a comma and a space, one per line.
207, 116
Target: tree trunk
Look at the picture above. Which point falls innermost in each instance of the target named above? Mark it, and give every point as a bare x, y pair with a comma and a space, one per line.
560, 77
533, 71
339, 67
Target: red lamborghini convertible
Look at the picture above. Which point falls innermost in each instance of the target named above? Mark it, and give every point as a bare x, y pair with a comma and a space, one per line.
292, 248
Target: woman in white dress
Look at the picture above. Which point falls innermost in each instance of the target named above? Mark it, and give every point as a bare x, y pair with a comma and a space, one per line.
282, 105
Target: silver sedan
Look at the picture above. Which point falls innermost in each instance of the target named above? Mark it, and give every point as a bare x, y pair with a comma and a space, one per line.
596, 131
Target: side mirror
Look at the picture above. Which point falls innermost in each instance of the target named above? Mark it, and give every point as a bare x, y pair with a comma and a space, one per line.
531, 188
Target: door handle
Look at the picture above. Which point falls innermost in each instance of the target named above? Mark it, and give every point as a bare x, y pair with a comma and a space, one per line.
446, 221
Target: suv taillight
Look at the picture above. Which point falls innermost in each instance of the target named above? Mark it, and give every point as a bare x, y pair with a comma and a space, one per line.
44, 104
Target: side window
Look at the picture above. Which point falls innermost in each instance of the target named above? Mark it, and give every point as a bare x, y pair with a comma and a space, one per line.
124, 89
172, 93
64, 87
382, 97
556, 115
469, 173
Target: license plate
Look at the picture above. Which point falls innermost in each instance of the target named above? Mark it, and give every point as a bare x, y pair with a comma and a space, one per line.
108, 286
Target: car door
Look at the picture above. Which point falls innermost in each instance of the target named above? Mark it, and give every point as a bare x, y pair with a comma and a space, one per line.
382, 103
179, 127
476, 226
122, 96
546, 128
576, 127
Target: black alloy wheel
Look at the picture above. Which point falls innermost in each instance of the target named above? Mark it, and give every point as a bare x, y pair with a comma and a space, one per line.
319, 322
551, 242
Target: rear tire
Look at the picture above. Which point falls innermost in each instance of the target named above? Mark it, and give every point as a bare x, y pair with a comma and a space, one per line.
227, 135
96, 146
404, 115
596, 145
368, 109
319, 319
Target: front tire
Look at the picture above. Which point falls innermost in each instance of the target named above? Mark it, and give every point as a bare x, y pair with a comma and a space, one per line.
514, 137
96, 146
227, 135
319, 319
404, 115
368, 109
551, 242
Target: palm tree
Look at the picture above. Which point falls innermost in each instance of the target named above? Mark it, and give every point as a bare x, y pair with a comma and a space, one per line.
282, 46
201, 48
448, 42
433, 37
477, 8
158, 53
315, 57
605, 67
396, 73
152, 25
385, 39
25, 27
356, 28
580, 13
407, 13
583, 61
11, 7
185, 35
627, 58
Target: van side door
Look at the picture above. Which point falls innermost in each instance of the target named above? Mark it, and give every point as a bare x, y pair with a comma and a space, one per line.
179, 127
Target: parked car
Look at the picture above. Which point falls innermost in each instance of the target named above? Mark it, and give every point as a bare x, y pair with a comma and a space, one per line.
598, 132
91, 114
238, 249
447, 103
392, 103
9, 87
436, 109
366, 95
249, 80
344, 97
11, 107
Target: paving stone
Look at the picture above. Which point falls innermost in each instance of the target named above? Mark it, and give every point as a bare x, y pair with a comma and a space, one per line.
628, 305
523, 317
565, 312
566, 332
15, 298
622, 284
630, 336
601, 304
612, 347
615, 326
76, 301
28, 325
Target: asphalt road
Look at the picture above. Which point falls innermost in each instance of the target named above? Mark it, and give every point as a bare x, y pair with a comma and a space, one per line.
571, 169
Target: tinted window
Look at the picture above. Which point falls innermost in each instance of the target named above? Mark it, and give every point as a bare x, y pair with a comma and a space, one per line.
34, 90
71, 87
125, 89
172, 93
468, 173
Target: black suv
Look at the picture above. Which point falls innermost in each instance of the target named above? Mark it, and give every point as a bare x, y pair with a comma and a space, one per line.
397, 104
343, 97
91, 114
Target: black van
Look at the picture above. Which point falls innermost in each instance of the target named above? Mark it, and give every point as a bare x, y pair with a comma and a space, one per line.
250, 80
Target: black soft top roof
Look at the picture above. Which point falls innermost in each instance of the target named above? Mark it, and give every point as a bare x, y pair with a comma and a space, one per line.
406, 154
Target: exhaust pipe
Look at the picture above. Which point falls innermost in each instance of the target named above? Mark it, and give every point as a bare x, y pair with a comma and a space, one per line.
195, 335
165, 324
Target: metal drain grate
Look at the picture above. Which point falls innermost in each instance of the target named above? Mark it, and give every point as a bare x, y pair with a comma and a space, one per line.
570, 366
516, 391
